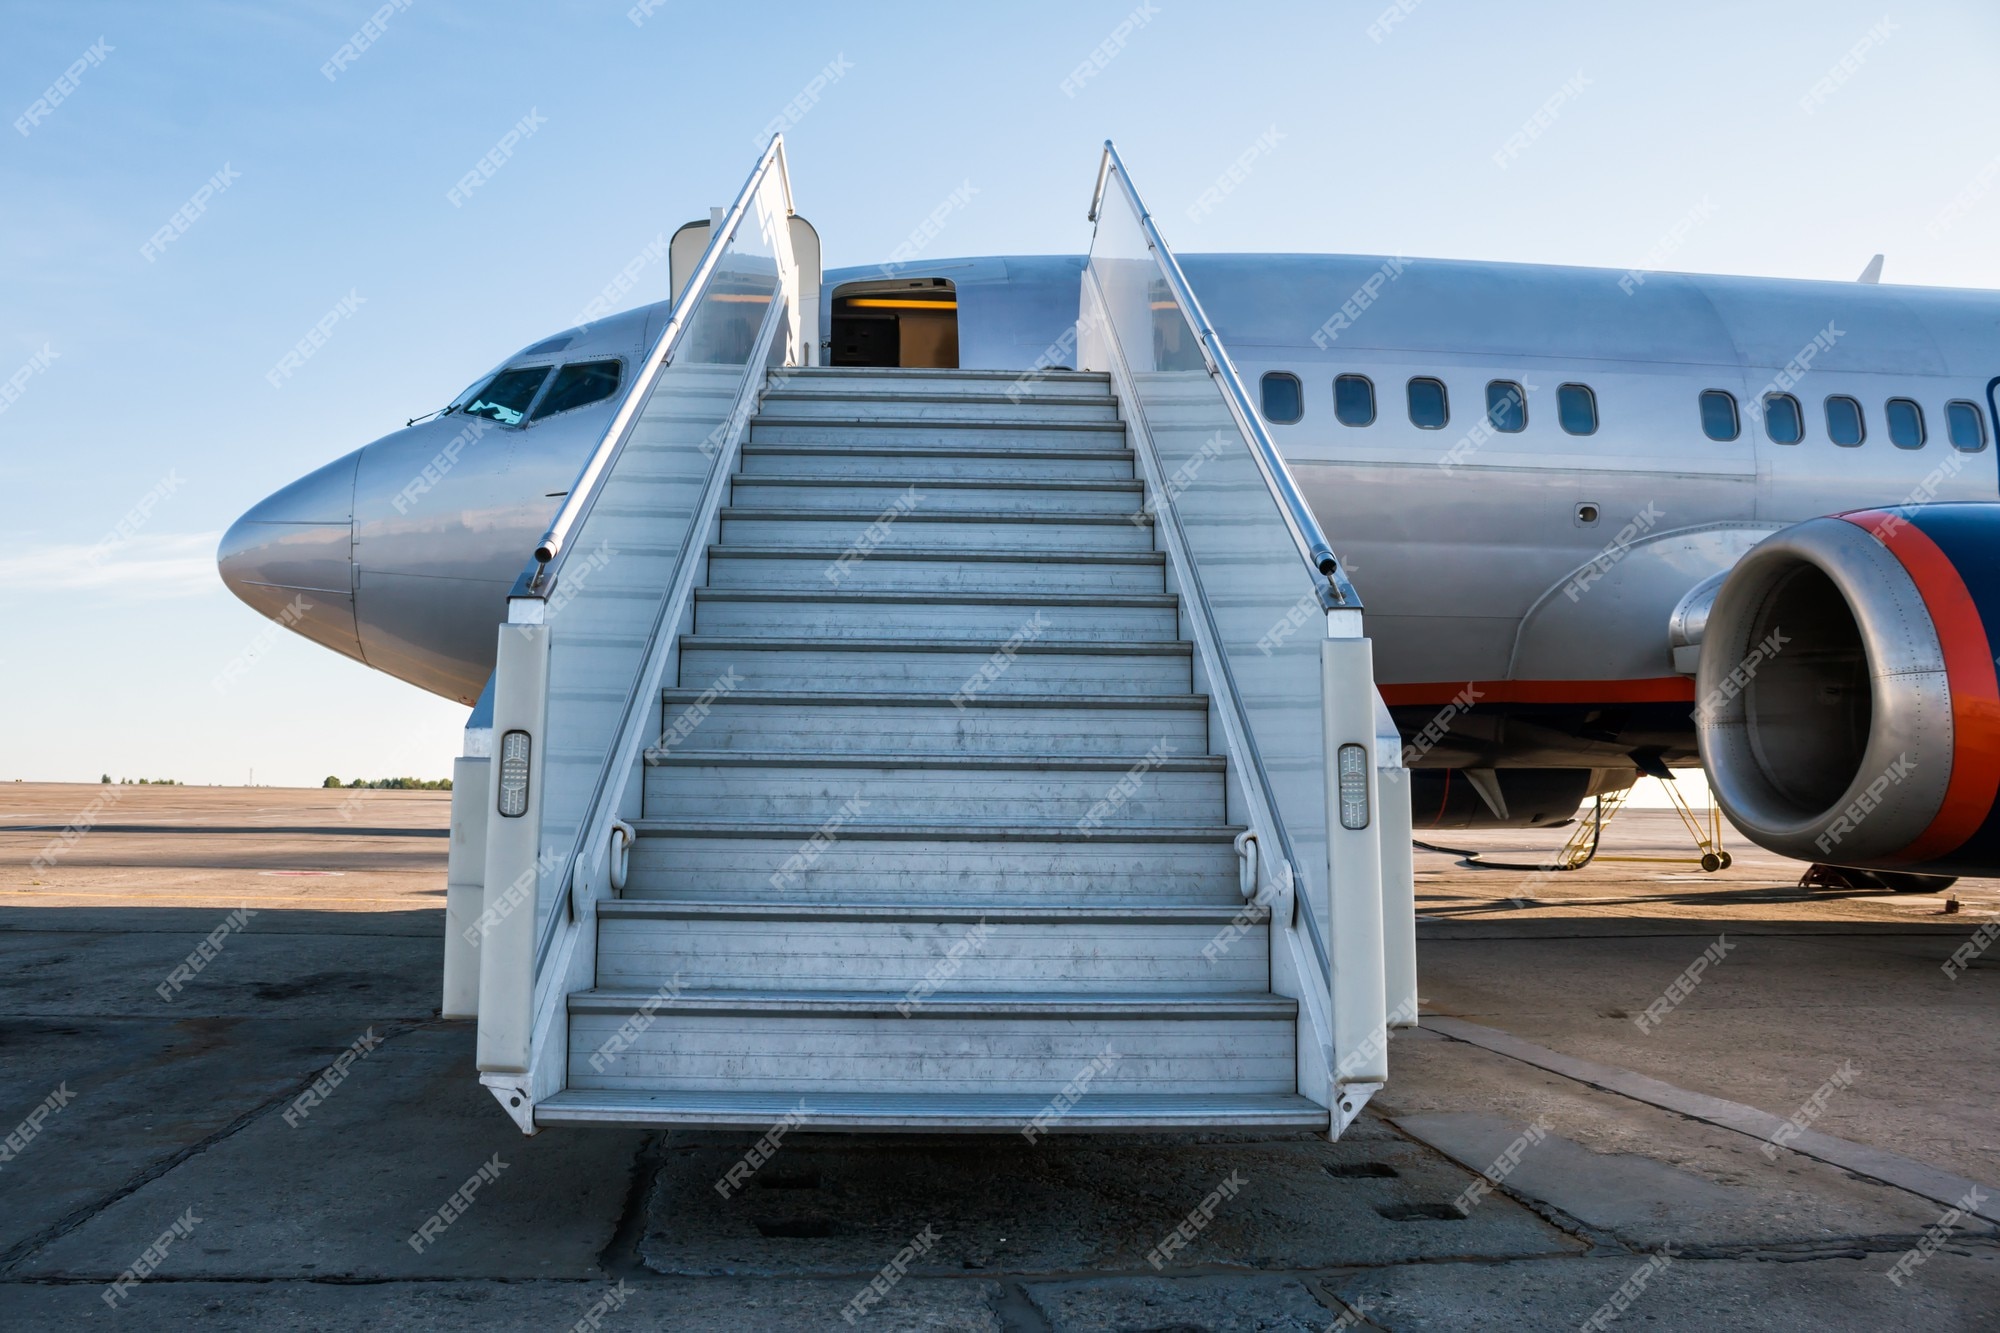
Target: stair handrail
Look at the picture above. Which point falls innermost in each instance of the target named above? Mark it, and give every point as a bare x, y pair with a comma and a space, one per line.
1337, 594
544, 565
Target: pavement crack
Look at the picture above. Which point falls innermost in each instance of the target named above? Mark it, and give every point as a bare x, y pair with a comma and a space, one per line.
25, 1248
620, 1256
1017, 1311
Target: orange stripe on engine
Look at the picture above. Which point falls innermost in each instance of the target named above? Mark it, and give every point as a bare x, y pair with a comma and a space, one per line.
1661, 690
1969, 673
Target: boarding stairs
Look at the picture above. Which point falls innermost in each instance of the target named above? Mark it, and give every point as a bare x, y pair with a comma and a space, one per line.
921, 810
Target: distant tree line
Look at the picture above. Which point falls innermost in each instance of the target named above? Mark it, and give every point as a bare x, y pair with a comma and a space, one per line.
144, 782
394, 784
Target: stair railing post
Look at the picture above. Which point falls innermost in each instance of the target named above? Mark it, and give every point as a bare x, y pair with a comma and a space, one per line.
505, 932
1353, 907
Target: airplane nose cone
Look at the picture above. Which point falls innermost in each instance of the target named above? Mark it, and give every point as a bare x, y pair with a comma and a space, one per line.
291, 557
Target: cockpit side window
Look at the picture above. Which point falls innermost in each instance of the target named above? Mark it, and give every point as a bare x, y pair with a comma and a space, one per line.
506, 397
578, 385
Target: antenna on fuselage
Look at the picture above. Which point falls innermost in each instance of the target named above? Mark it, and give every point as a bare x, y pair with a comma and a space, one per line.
1873, 273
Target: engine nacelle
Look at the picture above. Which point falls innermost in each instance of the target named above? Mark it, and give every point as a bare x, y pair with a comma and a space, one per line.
1849, 711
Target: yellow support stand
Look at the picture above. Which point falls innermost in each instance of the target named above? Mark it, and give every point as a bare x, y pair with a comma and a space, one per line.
1707, 834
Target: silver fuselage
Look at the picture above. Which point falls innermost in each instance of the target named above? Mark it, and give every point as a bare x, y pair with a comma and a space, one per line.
1466, 544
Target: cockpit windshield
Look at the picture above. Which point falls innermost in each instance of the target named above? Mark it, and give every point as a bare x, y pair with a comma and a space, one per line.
579, 384
505, 399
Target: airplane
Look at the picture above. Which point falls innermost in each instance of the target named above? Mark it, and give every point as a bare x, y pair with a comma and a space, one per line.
1569, 494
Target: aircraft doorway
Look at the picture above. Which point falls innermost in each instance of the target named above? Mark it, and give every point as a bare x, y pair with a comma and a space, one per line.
909, 322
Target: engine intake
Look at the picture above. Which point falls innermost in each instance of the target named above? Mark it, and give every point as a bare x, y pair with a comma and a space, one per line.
1849, 711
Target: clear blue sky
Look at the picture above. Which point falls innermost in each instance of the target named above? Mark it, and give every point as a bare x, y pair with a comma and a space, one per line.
159, 366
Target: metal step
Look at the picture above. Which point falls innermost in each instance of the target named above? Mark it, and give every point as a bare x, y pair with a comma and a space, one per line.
916, 951
1041, 495
909, 521
935, 1112
806, 567
842, 856
997, 409
1164, 786
872, 1041
1016, 665
984, 433
858, 722
966, 458
859, 613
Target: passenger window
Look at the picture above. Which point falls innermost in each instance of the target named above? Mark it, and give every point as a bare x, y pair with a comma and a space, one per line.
1576, 408
1284, 400
1354, 400
505, 399
1784, 422
1967, 424
1718, 415
578, 385
1506, 406
1428, 407
1844, 424
1906, 423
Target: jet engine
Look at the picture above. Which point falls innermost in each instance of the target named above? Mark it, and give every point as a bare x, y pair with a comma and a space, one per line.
1848, 711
